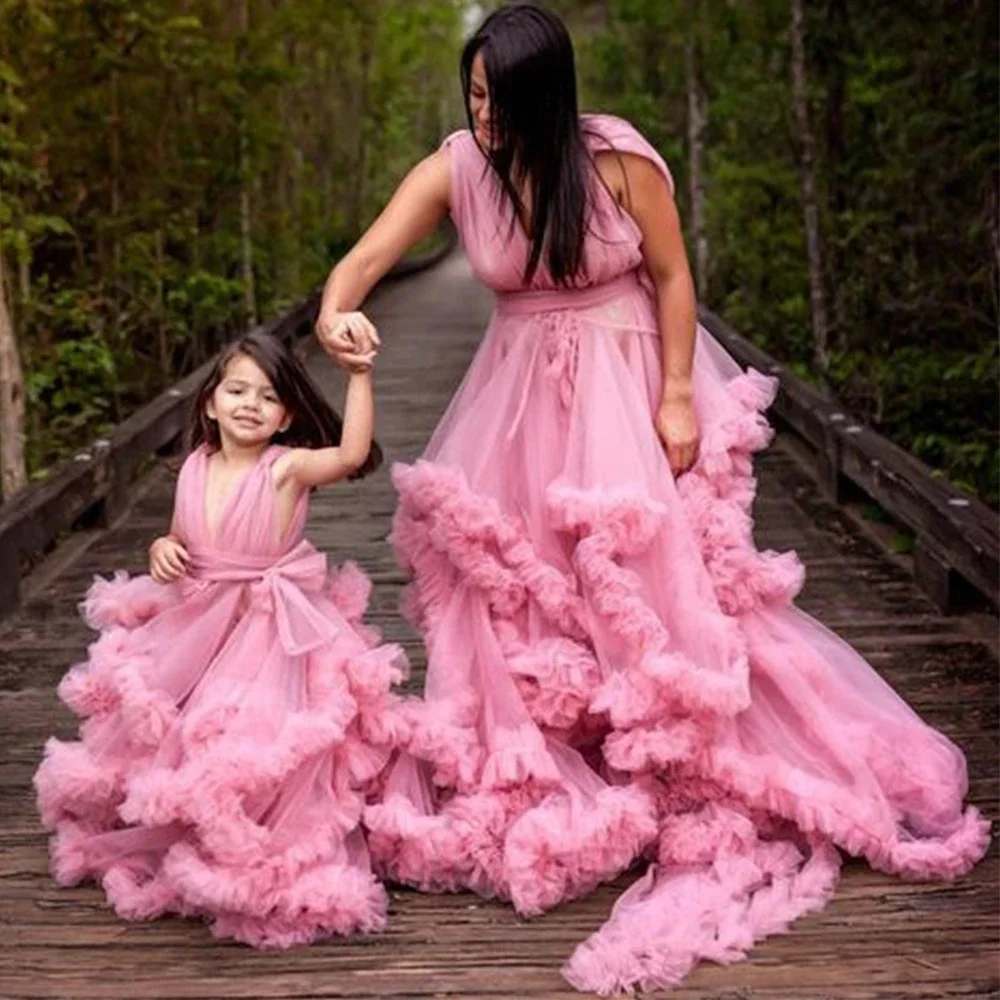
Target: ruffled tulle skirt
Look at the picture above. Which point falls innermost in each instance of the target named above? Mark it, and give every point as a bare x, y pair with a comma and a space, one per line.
615, 672
218, 774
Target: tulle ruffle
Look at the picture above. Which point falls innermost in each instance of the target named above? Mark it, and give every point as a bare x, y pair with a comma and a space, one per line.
718, 887
184, 803
596, 665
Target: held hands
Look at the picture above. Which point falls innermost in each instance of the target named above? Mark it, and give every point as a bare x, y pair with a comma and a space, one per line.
678, 429
349, 338
168, 559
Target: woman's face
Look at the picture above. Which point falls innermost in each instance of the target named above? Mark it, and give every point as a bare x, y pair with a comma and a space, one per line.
479, 102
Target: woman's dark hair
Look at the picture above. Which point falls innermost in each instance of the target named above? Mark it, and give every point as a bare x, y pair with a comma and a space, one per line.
535, 130
314, 424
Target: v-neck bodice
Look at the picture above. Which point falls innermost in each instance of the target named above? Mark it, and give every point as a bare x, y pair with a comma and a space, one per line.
248, 520
495, 239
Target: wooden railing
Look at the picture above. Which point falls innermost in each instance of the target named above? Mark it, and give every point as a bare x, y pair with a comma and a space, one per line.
955, 536
93, 487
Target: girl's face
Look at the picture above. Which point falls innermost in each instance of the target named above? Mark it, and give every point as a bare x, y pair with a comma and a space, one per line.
479, 102
246, 406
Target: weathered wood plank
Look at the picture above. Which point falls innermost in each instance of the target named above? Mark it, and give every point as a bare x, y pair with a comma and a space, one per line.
880, 939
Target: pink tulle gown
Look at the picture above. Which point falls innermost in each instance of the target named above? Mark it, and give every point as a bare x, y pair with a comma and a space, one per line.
234, 721
614, 670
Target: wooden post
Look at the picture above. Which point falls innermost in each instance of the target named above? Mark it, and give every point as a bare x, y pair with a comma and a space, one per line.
933, 573
828, 463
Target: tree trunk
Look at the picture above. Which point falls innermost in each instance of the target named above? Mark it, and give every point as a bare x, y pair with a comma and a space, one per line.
807, 148
991, 209
246, 233
13, 472
697, 120
24, 277
836, 42
161, 318
323, 165
295, 268
114, 170
289, 237
361, 152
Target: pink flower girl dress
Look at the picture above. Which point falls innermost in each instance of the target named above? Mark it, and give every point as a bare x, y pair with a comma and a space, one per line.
235, 720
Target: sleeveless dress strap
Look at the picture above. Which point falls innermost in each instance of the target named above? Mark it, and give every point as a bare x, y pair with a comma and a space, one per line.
467, 165
608, 132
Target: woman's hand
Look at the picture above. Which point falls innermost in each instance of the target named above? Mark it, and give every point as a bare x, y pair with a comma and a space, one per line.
678, 429
349, 338
168, 559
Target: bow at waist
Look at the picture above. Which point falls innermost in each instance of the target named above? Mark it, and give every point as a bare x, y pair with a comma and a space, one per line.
279, 585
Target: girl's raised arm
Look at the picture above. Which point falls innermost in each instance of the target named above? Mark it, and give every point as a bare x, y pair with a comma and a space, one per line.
308, 467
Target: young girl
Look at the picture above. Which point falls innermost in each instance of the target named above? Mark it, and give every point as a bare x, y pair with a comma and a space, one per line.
236, 709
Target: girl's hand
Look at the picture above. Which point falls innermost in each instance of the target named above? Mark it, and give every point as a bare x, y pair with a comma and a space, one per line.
168, 559
678, 429
349, 338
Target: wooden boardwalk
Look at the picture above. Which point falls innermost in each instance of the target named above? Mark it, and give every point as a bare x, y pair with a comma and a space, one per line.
880, 938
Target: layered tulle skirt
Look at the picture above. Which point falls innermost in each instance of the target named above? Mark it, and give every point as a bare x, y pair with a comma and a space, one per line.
616, 673
233, 731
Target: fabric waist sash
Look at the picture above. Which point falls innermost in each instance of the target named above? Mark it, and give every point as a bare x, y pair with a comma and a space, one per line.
523, 303
279, 585
303, 561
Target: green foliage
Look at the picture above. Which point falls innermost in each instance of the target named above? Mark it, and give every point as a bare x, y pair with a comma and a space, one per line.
75, 384
903, 104
902, 543
131, 131
121, 181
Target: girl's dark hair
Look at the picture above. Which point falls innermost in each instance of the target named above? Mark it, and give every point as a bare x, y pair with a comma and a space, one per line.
315, 424
535, 129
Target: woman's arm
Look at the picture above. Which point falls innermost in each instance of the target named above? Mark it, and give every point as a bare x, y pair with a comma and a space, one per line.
308, 467
414, 211
651, 204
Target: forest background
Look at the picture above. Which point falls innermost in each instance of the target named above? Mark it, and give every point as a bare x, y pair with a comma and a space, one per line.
173, 170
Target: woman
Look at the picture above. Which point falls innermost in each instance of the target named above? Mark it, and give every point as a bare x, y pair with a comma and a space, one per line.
614, 670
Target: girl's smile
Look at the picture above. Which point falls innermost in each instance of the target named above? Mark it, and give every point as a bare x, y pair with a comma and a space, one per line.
245, 404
